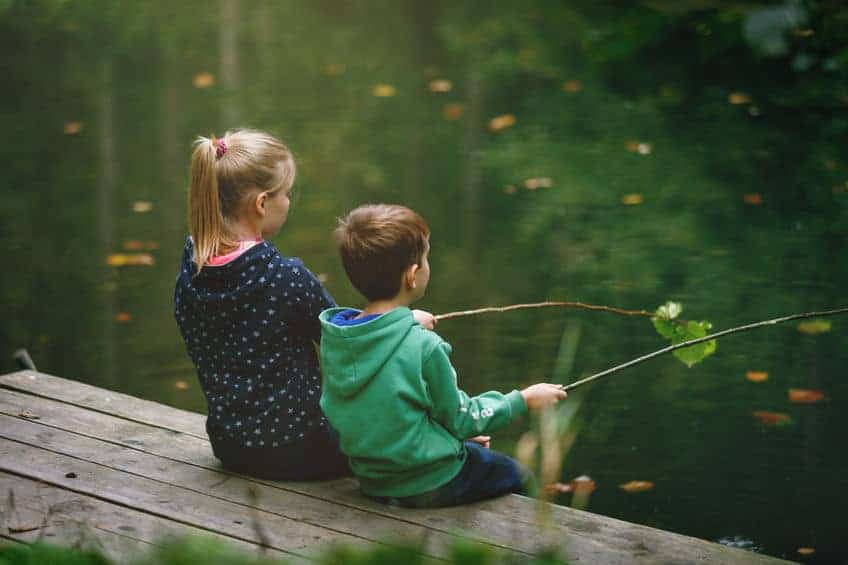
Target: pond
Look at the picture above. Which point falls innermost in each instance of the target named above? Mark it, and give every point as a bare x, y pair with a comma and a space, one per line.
615, 156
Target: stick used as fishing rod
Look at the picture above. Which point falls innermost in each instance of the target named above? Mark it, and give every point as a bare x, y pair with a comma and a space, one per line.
691, 342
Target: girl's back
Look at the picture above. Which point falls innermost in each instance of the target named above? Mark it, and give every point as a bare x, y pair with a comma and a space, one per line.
249, 323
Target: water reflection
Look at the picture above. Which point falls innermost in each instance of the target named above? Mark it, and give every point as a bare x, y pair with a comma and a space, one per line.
648, 155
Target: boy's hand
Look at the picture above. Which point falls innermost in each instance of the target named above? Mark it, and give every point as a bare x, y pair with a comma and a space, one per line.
482, 440
424, 318
541, 395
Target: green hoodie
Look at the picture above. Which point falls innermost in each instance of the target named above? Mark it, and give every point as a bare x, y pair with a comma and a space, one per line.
390, 391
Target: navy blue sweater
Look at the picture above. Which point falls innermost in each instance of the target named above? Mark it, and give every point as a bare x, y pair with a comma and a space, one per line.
248, 327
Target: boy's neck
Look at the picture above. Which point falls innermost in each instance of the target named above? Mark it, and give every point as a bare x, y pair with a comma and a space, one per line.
383, 306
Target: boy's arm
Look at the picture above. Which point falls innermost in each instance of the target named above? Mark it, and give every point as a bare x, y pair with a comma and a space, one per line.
460, 414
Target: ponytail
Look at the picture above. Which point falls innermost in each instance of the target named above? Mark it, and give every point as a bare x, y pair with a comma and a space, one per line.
205, 220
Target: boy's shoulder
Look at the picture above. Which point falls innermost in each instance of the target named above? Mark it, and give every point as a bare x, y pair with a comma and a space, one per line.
430, 340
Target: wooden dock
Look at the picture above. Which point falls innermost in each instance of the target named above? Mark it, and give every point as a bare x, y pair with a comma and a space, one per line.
82, 463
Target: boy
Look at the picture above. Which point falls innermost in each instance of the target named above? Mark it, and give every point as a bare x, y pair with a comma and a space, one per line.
389, 387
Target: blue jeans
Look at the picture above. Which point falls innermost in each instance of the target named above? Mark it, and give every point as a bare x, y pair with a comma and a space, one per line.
485, 474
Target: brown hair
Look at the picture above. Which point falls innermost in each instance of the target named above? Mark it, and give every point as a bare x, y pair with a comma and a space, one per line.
377, 243
223, 172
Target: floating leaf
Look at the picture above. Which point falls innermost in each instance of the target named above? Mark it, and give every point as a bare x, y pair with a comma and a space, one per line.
440, 85
805, 396
502, 122
322, 277
757, 376
632, 199
572, 86
333, 69
813, 327
136, 245
509, 189
644, 148
181, 385
384, 90
737, 98
753, 198
452, 111
533, 184
142, 206
123, 317
636, 486
124, 259
806, 550
773, 418
203, 80
558, 488
72, 128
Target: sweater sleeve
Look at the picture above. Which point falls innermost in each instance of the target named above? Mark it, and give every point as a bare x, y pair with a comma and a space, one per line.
309, 298
460, 414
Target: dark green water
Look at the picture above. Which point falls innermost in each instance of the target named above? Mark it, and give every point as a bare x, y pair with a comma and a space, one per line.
672, 107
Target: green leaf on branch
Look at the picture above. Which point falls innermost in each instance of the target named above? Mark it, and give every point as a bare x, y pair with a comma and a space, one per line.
678, 331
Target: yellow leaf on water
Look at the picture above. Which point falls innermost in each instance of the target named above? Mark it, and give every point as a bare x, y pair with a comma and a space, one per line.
334, 69
772, 418
757, 376
72, 128
452, 111
502, 122
142, 206
440, 85
557, 488
124, 259
203, 80
806, 550
753, 199
384, 90
509, 189
636, 486
123, 317
181, 385
814, 327
533, 184
737, 98
632, 199
644, 148
136, 245
805, 396
322, 277
572, 86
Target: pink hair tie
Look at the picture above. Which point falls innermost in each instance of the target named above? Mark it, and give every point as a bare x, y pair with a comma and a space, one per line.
220, 148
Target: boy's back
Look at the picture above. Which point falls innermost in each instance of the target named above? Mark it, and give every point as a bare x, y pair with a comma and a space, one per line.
390, 390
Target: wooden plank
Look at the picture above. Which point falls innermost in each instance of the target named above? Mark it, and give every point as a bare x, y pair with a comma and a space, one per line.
78, 517
486, 526
493, 521
204, 479
166, 501
115, 403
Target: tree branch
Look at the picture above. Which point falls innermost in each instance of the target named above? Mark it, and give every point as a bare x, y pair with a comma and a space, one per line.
716, 335
543, 305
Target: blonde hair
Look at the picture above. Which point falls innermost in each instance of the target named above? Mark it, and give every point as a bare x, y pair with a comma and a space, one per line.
223, 173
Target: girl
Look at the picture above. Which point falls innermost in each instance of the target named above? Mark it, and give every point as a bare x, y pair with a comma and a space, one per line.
248, 315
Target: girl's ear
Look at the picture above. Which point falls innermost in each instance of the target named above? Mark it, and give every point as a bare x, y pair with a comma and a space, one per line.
259, 203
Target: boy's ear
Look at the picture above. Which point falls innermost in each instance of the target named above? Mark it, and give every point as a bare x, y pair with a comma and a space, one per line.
409, 276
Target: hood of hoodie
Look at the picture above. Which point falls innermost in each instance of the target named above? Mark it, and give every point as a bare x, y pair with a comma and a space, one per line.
243, 275
357, 353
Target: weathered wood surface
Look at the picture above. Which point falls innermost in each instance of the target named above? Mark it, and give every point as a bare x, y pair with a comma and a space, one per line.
128, 472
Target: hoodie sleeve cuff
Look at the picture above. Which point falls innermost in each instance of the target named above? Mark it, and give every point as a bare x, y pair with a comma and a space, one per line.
517, 407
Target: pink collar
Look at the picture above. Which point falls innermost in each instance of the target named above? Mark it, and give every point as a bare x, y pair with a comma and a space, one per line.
243, 246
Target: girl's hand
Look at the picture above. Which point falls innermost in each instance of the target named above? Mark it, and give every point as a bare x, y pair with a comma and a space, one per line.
482, 440
541, 395
424, 318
